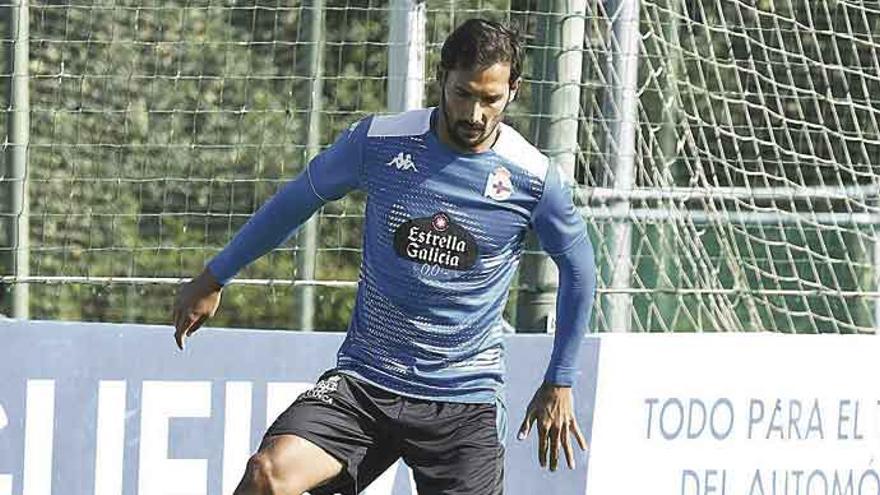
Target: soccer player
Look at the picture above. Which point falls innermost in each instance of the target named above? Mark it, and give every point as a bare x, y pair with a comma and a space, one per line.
451, 192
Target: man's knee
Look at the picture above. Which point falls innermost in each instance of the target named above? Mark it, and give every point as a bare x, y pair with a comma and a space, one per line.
262, 477
260, 469
287, 465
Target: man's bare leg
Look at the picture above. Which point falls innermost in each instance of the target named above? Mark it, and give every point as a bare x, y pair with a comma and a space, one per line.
287, 465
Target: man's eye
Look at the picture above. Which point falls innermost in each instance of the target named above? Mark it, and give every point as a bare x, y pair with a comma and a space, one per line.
461, 93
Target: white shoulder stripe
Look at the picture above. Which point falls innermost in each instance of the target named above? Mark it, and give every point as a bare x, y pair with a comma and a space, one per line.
411, 123
515, 148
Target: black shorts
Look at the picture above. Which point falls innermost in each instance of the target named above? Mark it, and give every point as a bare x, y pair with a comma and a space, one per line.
452, 448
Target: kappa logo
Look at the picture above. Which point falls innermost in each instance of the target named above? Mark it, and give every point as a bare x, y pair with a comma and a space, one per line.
322, 389
403, 161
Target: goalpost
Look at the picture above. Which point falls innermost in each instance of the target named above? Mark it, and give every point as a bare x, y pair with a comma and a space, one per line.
750, 201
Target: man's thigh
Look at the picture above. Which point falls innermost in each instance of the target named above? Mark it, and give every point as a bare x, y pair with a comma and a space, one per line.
455, 449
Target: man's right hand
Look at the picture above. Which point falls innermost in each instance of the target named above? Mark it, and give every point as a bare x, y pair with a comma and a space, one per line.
197, 300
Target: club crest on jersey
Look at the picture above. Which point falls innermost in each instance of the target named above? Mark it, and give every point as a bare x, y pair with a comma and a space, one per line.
436, 240
499, 186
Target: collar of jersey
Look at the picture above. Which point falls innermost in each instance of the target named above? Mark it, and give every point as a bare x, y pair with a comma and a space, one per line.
433, 136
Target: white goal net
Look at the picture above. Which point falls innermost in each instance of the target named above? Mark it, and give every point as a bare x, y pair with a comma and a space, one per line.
726, 152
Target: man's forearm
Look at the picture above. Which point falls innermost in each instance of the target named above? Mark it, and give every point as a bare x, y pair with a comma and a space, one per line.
271, 225
574, 303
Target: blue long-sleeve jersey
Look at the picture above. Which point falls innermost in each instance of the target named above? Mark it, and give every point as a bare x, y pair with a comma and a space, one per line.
443, 236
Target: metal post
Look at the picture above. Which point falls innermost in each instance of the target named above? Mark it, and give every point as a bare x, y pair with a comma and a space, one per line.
668, 276
406, 55
876, 243
874, 229
561, 62
17, 158
306, 259
622, 115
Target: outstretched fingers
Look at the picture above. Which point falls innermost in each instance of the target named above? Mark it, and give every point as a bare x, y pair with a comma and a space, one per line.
567, 447
185, 324
555, 434
526, 426
543, 443
576, 430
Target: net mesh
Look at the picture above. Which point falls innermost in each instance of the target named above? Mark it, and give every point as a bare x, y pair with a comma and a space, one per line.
761, 119
158, 129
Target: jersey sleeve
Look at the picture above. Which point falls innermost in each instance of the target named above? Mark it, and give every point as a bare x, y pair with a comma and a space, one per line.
555, 219
339, 169
574, 304
563, 234
329, 176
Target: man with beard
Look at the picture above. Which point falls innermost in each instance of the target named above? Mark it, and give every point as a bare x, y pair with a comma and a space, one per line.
450, 192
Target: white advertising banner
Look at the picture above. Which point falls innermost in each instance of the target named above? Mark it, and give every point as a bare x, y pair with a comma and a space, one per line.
736, 414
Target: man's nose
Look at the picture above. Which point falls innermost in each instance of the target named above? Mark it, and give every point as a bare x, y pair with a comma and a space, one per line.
476, 117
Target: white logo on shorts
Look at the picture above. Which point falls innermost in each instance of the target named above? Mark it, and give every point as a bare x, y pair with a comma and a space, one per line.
321, 389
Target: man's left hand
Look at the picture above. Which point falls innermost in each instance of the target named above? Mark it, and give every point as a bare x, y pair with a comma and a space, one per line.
552, 409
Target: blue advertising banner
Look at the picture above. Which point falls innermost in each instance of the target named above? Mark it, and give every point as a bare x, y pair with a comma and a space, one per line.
105, 409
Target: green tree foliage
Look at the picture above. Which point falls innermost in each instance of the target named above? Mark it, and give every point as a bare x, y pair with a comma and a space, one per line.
158, 130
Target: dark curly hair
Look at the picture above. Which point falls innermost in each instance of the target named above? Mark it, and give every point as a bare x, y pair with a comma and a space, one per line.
480, 43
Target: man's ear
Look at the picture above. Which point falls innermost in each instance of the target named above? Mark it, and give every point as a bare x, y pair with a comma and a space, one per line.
514, 87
